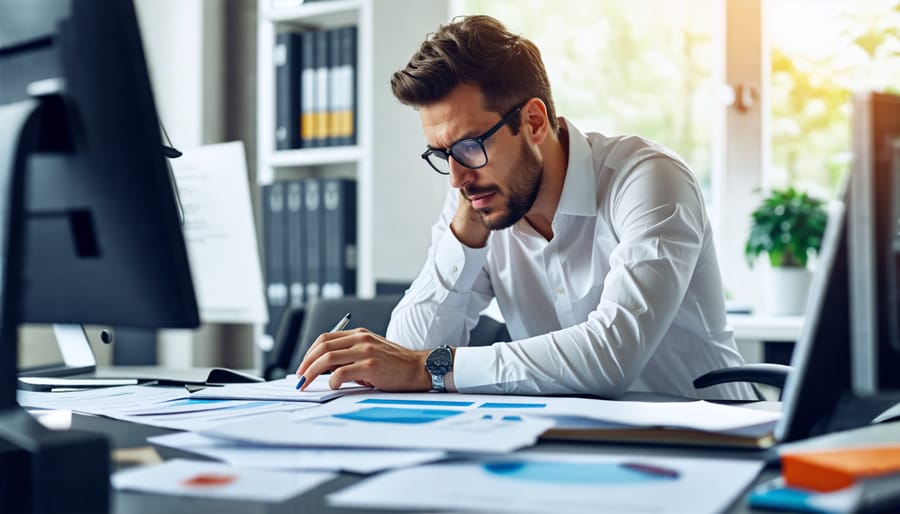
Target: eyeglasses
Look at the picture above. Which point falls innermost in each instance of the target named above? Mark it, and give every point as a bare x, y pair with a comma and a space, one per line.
468, 152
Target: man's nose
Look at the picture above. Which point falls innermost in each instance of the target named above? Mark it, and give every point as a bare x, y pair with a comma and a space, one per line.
460, 175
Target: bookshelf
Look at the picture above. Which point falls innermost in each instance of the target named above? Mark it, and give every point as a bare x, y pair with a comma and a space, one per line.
397, 199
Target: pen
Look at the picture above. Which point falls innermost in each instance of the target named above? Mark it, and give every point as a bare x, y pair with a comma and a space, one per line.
651, 469
337, 328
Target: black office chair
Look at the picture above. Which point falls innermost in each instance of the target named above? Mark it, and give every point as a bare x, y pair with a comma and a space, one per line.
773, 375
301, 326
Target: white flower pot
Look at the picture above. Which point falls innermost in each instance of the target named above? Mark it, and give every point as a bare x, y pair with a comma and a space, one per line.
786, 290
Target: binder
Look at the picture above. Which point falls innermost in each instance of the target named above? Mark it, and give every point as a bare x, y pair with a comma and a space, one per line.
313, 244
339, 237
296, 256
286, 57
307, 89
347, 115
275, 269
320, 109
335, 88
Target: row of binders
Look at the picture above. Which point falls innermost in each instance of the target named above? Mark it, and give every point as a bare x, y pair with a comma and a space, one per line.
315, 88
309, 231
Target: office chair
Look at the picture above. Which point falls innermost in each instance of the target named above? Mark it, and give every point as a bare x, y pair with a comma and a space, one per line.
302, 325
773, 375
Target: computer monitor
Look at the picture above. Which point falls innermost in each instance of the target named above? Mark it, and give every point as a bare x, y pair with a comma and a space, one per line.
89, 224
846, 362
874, 244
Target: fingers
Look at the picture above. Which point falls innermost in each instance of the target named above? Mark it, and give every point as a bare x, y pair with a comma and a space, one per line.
316, 350
333, 360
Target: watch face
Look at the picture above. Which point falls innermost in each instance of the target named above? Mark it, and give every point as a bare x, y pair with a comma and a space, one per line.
440, 361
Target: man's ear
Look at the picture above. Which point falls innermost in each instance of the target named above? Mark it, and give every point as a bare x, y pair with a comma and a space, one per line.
534, 121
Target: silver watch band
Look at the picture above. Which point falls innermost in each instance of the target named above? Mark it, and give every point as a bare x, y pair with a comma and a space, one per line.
437, 383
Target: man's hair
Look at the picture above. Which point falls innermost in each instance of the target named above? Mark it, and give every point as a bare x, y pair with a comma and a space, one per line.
476, 50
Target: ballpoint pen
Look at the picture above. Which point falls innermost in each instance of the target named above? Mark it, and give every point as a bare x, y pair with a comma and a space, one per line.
337, 328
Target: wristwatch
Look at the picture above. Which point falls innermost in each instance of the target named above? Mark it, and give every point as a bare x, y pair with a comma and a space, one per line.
438, 364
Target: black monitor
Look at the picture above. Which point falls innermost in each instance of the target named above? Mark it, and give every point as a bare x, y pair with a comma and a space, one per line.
89, 223
874, 245
847, 361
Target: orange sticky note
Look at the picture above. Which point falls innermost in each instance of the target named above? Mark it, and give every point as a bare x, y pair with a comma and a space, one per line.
837, 469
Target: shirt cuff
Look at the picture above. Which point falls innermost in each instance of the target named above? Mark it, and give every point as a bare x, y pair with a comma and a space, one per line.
472, 368
457, 266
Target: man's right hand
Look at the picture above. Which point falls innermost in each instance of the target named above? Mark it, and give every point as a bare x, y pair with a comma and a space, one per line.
467, 224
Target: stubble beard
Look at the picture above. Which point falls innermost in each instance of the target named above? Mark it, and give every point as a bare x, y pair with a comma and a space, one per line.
523, 191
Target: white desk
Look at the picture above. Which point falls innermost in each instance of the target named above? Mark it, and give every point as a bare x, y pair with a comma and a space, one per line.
751, 330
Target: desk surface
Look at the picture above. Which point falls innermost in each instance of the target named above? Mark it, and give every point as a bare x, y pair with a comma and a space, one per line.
127, 435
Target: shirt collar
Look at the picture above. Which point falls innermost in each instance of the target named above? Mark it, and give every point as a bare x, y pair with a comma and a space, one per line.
579, 194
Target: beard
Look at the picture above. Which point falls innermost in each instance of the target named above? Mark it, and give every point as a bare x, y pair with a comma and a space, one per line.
523, 191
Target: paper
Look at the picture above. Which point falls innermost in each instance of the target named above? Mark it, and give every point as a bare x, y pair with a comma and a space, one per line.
280, 390
100, 401
268, 457
389, 427
206, 419
549, 482
220, 234
585, 413
180, 477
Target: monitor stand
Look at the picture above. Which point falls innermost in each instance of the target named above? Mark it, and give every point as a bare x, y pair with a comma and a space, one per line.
43, 470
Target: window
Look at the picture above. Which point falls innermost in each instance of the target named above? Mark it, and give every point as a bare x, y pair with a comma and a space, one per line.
643, 68
841, 46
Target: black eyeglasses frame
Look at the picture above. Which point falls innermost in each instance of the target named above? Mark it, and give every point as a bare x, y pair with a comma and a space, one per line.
445, 154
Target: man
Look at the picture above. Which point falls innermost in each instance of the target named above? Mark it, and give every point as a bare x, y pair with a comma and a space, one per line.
598, 249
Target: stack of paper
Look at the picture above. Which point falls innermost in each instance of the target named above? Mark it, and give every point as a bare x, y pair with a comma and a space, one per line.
548, 482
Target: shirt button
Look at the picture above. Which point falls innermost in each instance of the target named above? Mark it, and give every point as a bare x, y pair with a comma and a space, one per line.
560, 291
455, 269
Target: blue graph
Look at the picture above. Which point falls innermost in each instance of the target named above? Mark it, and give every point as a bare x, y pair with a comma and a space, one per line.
395, 415
572, 473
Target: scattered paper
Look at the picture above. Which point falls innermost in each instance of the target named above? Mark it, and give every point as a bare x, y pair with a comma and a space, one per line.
284, 390
179, 477
364, 461
389, 427
548, 482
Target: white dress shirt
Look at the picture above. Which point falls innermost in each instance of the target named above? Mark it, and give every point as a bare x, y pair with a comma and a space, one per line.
626, 296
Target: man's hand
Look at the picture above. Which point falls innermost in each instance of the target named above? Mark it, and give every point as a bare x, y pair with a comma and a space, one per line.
467, 224
361, 356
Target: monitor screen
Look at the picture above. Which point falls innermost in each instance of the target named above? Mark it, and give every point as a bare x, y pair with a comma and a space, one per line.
103, 243
846, 362
874, 245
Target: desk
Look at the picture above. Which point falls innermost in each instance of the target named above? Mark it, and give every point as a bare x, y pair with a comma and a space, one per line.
127, 435
752, 331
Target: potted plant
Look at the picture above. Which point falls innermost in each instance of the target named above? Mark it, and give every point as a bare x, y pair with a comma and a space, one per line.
788, 226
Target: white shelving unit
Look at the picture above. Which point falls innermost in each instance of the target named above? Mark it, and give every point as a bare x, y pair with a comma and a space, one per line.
394, 188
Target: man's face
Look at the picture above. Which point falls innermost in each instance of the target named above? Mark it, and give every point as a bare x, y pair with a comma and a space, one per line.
504, 190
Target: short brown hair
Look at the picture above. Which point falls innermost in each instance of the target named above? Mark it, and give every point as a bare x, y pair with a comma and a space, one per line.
476, 50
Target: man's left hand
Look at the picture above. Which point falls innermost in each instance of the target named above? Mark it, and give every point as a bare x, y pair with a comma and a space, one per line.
367, 358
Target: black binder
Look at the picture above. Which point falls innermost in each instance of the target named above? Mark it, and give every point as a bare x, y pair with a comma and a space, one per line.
339, 238
348, 117
320, 128
275, 253
286, 57
336, 88
312, 198
296, 254
308, 89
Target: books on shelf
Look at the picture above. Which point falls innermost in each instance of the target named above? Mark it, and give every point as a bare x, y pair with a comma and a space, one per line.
315, 82
309, 228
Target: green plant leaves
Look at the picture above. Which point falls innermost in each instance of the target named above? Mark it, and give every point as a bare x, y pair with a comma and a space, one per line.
788, 226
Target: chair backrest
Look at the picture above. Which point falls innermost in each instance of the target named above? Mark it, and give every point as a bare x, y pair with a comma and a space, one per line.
301, 326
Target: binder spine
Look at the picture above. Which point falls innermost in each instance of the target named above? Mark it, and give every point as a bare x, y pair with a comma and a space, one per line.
320, 119
286, 57
307, 90
314, 271
348, 115
275, 253
339, 243
296, 257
